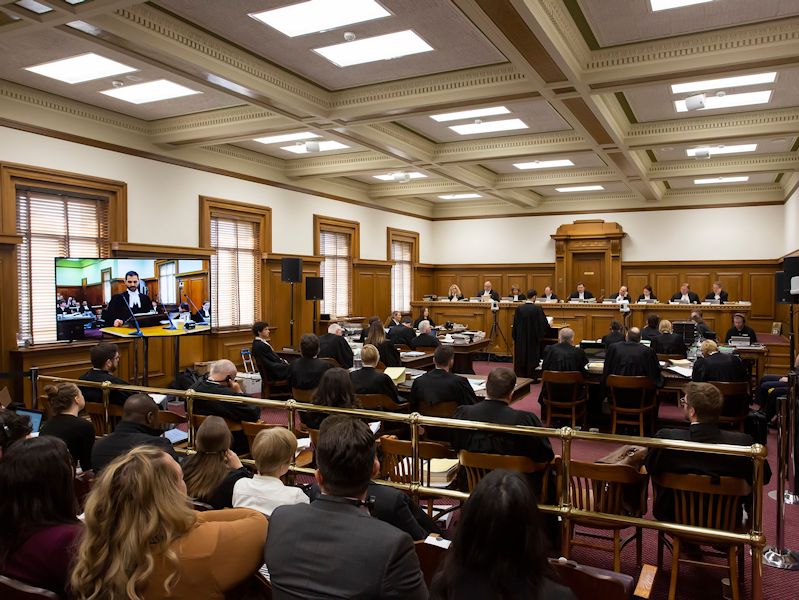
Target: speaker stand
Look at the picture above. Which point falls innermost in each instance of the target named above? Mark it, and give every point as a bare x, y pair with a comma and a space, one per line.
291, 317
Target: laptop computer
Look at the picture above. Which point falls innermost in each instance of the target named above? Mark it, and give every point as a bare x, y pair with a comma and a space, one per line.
740, 340
35, 416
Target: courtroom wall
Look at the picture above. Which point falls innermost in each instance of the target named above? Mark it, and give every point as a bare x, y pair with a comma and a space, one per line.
792, 223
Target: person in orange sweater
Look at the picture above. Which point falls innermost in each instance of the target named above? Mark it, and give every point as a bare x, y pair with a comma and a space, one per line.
142, 539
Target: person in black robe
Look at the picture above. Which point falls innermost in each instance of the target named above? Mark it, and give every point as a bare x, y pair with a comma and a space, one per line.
402, 333
652, 329
685, 295
632, 358
333, 345
668, 342
717, 366
614, 336
121, 305
266, 359
563, 356
717, 294
647, 294
529, 328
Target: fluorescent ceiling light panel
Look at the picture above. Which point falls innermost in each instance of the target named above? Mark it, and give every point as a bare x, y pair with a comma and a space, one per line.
381, 47
34, 6
151, 91
713, 150
287, 137
669, 4
544, 164
716, 180
84, 67
489, 126
724, 82
320, 15
729, 101
460, 196
580, 188
323, 147
390, 176
471, 114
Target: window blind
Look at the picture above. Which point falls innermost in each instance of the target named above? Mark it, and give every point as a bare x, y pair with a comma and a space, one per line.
235, 271
167, 282
53, 225
401, 254
336, 268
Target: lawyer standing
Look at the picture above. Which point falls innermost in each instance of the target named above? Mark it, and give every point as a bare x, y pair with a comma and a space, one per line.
529, 328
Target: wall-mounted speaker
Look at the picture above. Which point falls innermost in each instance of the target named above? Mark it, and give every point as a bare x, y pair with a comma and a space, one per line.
291, 270
314, 288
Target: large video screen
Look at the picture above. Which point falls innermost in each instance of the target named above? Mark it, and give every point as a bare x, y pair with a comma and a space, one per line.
125, 296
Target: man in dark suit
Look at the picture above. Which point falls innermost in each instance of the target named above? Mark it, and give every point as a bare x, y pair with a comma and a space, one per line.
652, 329
702, 406
632, 358
717, 366
368, 380
121, 305
580, 293
563, 356
685, 295
265, 357
740, 328
717, 293
425, 339
440, 385
489, 292
495, 409
402, 333
306, 372
138, 427
333, 548
529, 328
105, 360
333, 345
222, 380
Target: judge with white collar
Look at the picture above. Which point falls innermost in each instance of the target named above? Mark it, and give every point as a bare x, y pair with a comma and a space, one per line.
136, 301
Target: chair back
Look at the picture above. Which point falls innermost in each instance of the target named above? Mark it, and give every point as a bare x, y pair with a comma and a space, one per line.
167, 417
565, 393
303, 395
477, 464
666, 357
314, 435
96, 412
331, 360
251, 429
736, 396
601, 488
430, 559
700, 502
12, 589
381, 402
440, 409
590, 583
631, 398
197, 420
397, 458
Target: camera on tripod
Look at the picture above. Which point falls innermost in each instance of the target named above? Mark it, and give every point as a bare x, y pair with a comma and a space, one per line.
494, 306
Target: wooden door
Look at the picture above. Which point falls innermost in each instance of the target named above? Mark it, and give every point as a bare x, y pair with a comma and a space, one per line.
588, 268
195, 288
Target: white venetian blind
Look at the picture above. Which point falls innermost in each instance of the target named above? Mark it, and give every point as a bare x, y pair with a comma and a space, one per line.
167, 282
235, 271
401, 254
336, 269
53, 225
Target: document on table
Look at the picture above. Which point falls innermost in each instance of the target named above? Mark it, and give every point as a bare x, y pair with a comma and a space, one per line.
477, 384
683, 371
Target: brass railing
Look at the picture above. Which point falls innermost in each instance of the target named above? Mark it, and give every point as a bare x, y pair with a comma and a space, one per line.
757, 452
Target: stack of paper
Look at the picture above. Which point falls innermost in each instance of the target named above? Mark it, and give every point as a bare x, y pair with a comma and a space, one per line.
680, 362
397, 374
442, 471
477, 384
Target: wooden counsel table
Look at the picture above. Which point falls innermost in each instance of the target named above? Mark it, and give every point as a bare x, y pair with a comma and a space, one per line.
523, 386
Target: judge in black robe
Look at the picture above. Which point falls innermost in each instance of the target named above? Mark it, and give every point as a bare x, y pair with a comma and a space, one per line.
529, 328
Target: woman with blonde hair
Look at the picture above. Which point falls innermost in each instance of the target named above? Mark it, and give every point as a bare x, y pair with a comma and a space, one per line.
668, 342
66, 402
142, 540
214, 469
455, 293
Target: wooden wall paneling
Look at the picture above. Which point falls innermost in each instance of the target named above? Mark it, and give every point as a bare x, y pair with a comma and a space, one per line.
371, 289
732, 282
635, 282
520, 278
277, 311
424, 281
699, 282
499, 282
305, 308
538, 281
75, 291
228, 345
94, 294
471, 284
761, 294
666, 284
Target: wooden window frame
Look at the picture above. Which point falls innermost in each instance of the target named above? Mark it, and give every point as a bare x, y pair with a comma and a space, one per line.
353, 229
403, 235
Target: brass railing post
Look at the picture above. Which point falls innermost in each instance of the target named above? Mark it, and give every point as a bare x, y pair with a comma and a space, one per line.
35, 388
190, 416
757, 523
415, 471
291, 407
564, 502
106, 389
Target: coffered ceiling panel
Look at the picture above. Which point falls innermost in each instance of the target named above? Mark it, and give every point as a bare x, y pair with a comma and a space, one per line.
753, 178
278, 151
610, 187
764, 145
580, 159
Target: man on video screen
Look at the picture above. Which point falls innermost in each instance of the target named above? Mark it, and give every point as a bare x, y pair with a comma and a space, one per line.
117, 311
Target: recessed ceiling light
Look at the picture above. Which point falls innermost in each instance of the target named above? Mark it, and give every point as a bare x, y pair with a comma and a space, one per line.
712, 150
471, 114
34, 6
287, 137
460, 196
152, 91
729, 101
580, 188
544, 164
724, 82
669, 4
84, 67
381, 47
488, 126
390, 176
713, 180
323, 147
320, 15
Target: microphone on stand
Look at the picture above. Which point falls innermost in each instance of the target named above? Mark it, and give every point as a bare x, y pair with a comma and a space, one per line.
138, 331
168, 316
194, 306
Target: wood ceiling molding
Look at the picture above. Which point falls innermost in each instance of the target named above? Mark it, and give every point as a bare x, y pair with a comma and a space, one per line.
342, 164
508, 147
756, 163
580, 109
218, 126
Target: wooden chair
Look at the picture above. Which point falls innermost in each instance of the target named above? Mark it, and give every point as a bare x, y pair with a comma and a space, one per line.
381, 402
477, 464
252, 429
167, 417
197, 420
12, 589
559, 385
736, 397
303, 395
612, 489
314, 435
430, 559
632, 399
331, 360
700, 502
273, 390
441, 409
96, 412
590, 583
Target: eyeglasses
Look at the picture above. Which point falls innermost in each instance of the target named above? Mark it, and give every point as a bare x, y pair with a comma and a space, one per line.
684, 401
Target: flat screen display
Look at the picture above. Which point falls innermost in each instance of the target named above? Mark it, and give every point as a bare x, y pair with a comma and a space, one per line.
95, 294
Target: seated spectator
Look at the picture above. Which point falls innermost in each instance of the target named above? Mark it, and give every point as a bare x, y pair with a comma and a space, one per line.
402, 333
13, 427
668, 342
272, 450
652, 329
482, 564
563, 356
718, 366
66, 402
306, 371
425, 339
740, 329
138, 427
266, 359
705, 333
440, 385
769, 388
702, 406
332, 548
142, 539
614, 336
368, 380
213, 471
222, 380
39, 529
105, 360
365, 330
394, 319
334, 345
389, 355
335, 389
424, 315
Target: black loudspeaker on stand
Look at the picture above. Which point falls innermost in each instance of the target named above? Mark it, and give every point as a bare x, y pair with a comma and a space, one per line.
314, 290
291, 272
